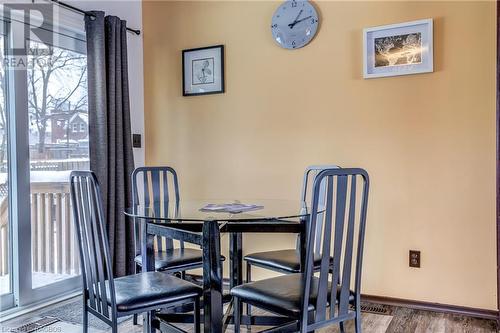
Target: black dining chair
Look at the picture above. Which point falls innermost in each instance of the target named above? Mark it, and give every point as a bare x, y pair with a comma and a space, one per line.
109, 298
158, 188
311, 299
288, 260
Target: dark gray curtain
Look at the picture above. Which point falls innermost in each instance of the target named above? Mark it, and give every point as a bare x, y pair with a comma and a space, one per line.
111, 155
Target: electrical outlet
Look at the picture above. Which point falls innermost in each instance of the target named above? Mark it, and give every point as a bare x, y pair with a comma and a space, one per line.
414, 259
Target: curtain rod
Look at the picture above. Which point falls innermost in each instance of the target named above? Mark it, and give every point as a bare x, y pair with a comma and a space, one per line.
81, 11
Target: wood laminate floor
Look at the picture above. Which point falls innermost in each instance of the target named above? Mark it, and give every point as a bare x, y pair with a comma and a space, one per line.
397, 320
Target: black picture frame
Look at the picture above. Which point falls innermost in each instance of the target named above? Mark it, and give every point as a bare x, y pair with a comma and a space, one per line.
221, 90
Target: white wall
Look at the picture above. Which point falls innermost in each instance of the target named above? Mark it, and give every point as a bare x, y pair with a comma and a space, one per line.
131, 11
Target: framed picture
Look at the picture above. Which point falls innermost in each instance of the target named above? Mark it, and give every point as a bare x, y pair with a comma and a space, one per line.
398, 49
203, 71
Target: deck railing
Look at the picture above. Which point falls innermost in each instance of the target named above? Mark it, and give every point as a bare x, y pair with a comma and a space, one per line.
4, 237
53, 242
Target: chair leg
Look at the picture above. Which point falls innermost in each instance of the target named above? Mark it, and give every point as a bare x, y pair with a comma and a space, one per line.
302, 326
310, 318
114, 327
249, 307
341, 327
134, 317
85, 318
183, 275
237, 314
196, 321
146, 322
358, 322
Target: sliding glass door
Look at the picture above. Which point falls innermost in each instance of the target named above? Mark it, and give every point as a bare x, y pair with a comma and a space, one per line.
58, 143
6, 286
44, 136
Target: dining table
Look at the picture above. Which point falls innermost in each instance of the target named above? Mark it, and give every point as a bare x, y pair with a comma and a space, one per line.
188, 221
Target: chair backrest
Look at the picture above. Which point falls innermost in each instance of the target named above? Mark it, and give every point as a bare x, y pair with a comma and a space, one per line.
344, 222
306, 195
309, 175
95, 259
157, 188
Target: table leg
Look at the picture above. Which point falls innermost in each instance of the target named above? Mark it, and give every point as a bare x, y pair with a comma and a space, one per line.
303, 244
147, 249
235, 270
148, 262
212, 278
236, 259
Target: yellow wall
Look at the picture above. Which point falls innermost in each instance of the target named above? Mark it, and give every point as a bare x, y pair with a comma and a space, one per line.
428, 141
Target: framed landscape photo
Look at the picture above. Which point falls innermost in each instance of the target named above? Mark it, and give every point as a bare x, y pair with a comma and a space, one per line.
398, 49
203, 71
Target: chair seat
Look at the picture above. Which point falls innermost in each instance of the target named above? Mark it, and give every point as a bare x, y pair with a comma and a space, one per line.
150, 289
173, 258
281, 294
284, 260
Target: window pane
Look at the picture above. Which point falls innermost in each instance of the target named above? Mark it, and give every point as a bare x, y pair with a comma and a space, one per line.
57, 97
5, 257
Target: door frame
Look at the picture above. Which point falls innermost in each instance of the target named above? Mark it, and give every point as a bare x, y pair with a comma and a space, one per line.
20, 265
498, 157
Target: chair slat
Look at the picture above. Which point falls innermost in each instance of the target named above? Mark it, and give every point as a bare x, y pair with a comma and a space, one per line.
346, 273
101, 275
320, 224
338, 233
166, 192
322, 299
155, 185
147, 202
89, 234
84, 245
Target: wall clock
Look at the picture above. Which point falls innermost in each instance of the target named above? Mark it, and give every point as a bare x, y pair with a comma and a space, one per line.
294, 24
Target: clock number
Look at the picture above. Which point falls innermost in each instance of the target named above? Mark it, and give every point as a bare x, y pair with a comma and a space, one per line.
293, 43
294, 4
274, 26
313, 21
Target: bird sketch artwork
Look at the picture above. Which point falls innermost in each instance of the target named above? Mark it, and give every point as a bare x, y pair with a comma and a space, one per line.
398, 50
203, 71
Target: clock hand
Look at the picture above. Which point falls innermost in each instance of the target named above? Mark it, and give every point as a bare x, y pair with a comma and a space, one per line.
294, 23
298, 15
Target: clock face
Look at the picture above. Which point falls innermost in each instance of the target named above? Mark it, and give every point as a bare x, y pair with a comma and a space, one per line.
294, 24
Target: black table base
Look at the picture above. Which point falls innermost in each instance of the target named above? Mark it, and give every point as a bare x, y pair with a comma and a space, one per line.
207, 235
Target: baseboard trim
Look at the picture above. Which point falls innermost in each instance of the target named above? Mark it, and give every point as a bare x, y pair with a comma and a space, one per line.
436, 307
418, 305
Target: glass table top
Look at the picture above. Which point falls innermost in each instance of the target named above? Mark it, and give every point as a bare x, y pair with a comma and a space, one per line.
191, 210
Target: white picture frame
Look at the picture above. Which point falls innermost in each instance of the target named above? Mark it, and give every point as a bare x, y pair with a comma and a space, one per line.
398, 49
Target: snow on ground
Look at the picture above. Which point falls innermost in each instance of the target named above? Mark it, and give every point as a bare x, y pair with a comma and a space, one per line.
43, 177
39, 279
